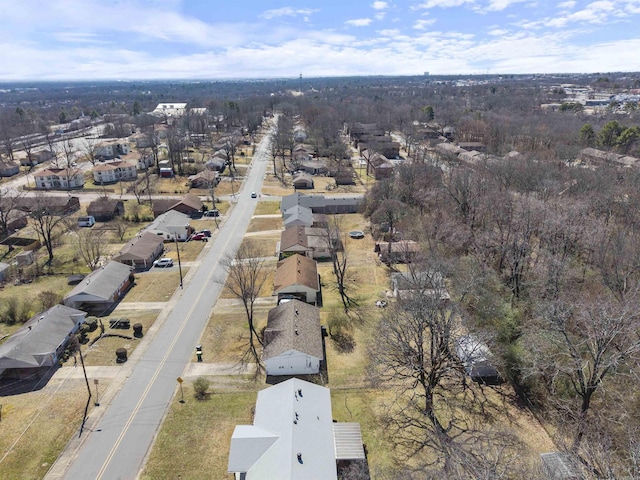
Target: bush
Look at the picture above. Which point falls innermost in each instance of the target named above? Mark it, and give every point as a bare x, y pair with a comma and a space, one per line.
137, 330
91, 323
121, 355
200, 387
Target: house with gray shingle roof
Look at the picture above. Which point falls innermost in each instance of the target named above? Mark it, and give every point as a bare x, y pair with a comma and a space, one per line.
293, 340
101, 289
40, 342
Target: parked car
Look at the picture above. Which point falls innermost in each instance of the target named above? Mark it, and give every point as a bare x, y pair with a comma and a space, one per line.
163, 262
212, 213
198, 236
205, 232
254, 195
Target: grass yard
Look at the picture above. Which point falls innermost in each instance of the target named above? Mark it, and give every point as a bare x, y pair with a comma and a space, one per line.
265, 224
226, 334
103, 351
203, 430
156, 285
267, 207
265, 245
273, 186
36, 426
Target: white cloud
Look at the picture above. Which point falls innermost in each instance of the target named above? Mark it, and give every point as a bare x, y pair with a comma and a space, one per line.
499, 5
422, 24
359, 22
567, 5
441, 3
498, 32
379, 16
287, 12
379, 5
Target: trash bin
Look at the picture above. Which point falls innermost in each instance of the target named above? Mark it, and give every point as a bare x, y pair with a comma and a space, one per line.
199, 352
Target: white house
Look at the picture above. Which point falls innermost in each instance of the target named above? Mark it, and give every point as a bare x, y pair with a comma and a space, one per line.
111, 150
114, 172
59, 178
293, 436
171, 225
293, 340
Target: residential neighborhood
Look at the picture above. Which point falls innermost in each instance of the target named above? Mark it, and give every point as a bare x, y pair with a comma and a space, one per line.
311, 288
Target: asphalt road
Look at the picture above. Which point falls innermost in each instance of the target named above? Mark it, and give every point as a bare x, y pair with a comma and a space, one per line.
118, 442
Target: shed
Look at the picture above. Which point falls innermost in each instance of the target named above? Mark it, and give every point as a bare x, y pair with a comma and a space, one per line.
477, 360
558, 466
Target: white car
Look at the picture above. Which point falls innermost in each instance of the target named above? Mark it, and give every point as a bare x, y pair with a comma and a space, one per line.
163, 262
254, 195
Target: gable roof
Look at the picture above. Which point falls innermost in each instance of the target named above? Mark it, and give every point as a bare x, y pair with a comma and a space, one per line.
34, 345
294, 325
292, 237
103, 282
169, 221
298, 414
141, 247
104, 205
297, 270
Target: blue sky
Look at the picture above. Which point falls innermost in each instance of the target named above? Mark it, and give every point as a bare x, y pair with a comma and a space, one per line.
200, 39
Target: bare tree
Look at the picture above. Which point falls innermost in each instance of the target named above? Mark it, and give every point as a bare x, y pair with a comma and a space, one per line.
246, 275
429, 418
339, 261
88, 148
576, 347
91, 247
45, 222
8, 205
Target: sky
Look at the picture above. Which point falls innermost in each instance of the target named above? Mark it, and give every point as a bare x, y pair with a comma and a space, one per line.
213, 39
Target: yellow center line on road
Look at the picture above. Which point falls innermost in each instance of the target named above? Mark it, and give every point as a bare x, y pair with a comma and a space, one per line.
161, 365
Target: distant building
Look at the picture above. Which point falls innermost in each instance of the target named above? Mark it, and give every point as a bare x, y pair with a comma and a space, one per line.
59, 179
113, 172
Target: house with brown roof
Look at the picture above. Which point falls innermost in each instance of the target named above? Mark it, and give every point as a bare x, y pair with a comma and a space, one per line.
204, 179
297, 276
104, 209
308, 241
293, 340
190, 205
58, 205
141, 251
379, 166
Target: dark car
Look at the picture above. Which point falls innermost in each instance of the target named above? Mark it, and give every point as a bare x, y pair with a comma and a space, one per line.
212, 213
